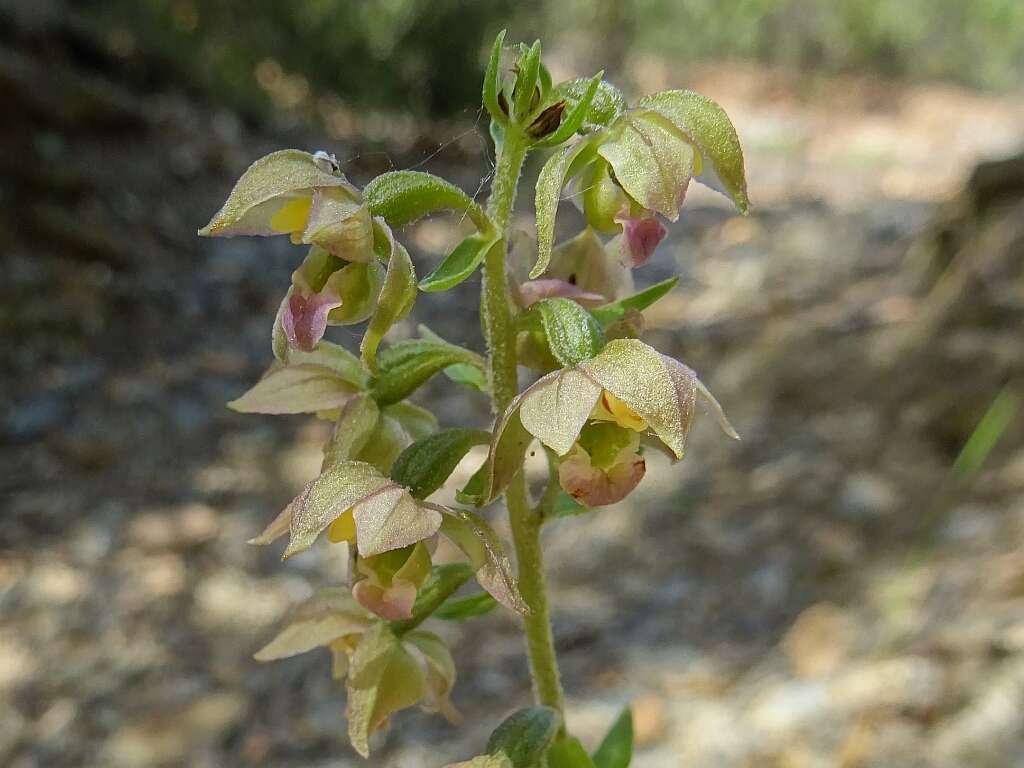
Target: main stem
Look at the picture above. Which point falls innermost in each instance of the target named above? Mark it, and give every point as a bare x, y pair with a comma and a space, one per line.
499, 330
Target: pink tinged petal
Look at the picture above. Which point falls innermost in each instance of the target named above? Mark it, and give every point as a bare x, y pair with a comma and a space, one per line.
593, 487
641, 235
304, 319
392, 604
533, 291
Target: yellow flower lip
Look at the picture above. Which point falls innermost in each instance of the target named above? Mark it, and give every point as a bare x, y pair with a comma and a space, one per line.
611, 408
292, 216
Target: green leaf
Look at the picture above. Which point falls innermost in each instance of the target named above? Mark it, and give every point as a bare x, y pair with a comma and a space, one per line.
407, 365
526, 80
425, 465
335, 357
474, 376
710, 129
383, 678
616, 750
574, 116
402, 197
396, 299
567, 752
302, 388
614, 311
492, 81
467, 607
572, 333
386, 515
606, 104
553, 176
484, 761
459, 264
525, 735
444, 581
474, 536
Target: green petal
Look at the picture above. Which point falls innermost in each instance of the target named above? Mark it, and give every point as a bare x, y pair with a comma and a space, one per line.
326, 616
296, 388
555, 408
652, 160
710, 129
339, 222
355, 425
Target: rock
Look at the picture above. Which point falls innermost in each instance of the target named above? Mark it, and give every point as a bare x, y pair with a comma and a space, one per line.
790, 707
867, 495
648, 719
909, 683
986, 733
819, 640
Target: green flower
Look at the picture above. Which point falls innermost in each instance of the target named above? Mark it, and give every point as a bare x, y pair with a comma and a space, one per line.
628, 385
639, 167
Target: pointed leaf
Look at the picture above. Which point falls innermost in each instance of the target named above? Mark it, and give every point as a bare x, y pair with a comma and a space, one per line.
492, 81
323, 618
467, 607
425, 465
386, 515
606, 104
484, 761
576, 114
402, 197
573, 335
567, 752
396, 299
525, 735
616, 750
710, 129
474, 536
614, 311
405, 366
460, 264
335, 357
301, 388
474, 376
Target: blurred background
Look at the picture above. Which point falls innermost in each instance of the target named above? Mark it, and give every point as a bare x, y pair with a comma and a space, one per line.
842, 589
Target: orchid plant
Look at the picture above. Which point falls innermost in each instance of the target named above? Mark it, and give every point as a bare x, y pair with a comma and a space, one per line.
600, 399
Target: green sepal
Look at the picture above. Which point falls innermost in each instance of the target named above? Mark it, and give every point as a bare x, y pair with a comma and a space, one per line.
574, 118
525, 736
397, 296
425, 465
492, 82
616, 750
463, 608
444, 581
526, 81
572, 333
402, 197
567, 752
405, 366
558, 169
460, 264
606, 104
614, 311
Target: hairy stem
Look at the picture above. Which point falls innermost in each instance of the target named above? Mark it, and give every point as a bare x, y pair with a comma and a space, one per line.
499, 330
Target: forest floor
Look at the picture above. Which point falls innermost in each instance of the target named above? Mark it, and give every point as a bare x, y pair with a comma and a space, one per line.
822, 594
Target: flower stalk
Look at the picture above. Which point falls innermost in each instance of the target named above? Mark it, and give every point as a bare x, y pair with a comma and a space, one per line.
524, 521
